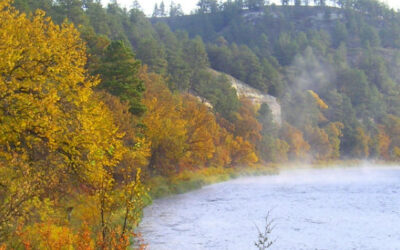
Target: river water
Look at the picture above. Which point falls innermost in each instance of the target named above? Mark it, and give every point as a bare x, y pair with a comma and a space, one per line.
344, 208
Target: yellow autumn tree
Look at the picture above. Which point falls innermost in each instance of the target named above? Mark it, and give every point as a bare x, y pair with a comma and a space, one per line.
131, 195
57, 139
201, 128
138, 148
321, 104
231, 150
180, 128
165, 127
184, 133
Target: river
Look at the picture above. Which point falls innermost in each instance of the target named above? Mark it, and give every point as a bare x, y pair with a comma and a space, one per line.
343, 208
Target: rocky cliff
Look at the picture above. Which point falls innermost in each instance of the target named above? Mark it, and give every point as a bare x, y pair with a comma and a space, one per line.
258, 98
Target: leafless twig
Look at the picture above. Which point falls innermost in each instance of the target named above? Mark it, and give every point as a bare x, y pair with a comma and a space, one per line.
264, 237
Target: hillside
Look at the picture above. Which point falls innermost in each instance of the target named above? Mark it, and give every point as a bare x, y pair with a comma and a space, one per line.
346, 54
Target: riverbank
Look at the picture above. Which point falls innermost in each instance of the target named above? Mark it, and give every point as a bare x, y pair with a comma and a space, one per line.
190, 180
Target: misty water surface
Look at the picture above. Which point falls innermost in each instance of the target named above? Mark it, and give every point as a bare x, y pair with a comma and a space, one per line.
354, 208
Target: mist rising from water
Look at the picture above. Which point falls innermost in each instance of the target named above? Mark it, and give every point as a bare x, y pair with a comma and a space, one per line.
332, 208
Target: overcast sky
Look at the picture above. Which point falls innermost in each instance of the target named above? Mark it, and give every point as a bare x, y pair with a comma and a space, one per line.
189, 5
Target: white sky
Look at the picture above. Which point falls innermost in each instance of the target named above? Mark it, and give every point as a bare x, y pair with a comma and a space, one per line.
189, 5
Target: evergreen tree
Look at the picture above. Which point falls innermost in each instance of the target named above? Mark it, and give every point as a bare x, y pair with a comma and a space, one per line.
162, 13
175, 10
136, 5
156, 11
119, 72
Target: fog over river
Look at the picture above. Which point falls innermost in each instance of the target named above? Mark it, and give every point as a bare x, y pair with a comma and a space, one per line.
343, 208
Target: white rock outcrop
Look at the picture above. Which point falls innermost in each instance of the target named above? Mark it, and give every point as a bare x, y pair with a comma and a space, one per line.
258, 98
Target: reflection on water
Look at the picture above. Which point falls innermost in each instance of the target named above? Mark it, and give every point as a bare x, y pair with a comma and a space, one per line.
357, 208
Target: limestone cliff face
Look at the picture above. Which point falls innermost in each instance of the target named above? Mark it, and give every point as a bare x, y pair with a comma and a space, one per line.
258, 98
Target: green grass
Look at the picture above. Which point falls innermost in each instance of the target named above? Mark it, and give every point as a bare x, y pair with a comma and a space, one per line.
191, 180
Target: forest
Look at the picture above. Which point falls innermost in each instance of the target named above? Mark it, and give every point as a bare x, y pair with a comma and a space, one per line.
102, 107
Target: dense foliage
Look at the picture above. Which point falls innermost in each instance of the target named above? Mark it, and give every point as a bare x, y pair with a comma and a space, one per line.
97, 104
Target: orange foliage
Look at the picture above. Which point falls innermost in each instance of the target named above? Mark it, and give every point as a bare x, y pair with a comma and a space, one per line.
114, 241
83, 239
165, 127
298, 147
242, 152
138, 148
201, 127
51, 236
47, 235
184, 134
222, 155
232, 150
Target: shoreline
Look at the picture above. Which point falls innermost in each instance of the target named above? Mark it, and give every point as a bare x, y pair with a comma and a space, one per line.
191, 180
